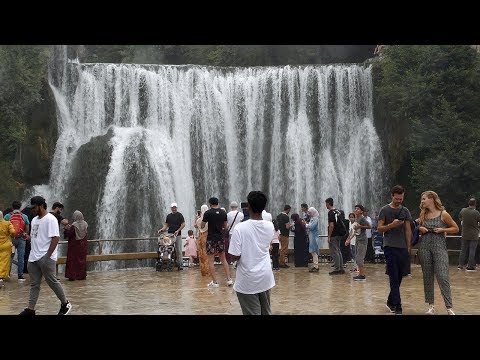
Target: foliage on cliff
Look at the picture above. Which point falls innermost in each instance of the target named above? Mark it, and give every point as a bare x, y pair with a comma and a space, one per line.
226, 55
23, 75
430, 98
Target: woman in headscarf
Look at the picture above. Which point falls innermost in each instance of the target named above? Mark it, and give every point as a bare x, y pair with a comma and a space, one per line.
300, 241
76, 234
7, 232
202, 241
312, 228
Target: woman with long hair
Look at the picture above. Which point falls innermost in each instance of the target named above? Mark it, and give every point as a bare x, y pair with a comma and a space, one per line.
202, 241
435, 223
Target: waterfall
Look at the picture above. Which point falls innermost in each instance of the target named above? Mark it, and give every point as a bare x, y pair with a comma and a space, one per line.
186, 133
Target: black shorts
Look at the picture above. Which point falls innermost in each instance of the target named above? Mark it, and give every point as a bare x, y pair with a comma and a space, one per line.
215, 246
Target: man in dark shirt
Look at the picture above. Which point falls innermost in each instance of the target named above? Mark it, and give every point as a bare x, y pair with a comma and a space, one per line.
175, 223
336, 234
217, 221
57, 209
283, 222
27, 210
305, 215
470, 218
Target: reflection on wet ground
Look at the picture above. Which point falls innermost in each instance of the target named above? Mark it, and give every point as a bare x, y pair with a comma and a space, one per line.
148, 292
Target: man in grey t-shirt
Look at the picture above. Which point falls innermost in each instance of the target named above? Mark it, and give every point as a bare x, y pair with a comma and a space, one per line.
470, 218
394, 222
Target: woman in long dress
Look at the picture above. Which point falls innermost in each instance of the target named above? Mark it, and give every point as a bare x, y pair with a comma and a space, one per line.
7, 232
202, 242
76, 234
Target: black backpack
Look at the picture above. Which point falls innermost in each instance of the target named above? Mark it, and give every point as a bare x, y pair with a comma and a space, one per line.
339, 225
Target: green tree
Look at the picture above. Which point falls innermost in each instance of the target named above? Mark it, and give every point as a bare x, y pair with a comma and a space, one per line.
23, 75
431, 95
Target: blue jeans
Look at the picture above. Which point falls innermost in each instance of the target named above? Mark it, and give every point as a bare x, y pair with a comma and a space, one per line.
396, 259
19, 244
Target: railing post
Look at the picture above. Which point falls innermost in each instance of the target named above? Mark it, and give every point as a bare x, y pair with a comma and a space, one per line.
99, 248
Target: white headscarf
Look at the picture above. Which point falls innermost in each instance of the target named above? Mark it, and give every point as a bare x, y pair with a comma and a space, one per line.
80, 225
313, 211
199, 220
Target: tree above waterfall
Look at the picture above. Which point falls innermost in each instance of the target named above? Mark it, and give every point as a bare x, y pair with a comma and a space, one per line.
431, 95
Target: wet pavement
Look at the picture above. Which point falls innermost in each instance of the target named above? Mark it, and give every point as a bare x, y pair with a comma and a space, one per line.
298, 292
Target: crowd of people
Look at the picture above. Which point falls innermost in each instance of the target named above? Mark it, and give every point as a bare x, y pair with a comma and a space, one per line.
33, 234
257, 245
229, 237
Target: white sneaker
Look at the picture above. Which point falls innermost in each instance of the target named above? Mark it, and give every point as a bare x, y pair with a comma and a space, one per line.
450, 312
431, 310
229, 282
211, 284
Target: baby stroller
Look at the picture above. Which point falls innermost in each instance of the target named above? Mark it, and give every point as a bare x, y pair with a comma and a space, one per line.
167, 253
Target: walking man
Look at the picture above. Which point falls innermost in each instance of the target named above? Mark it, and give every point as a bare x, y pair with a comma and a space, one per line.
250, 247
175, 223
42, 261
394, 222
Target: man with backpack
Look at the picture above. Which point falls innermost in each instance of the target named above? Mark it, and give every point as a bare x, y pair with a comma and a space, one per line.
336, 233
21, 225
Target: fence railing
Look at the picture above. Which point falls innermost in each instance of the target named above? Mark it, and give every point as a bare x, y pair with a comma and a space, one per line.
451, 240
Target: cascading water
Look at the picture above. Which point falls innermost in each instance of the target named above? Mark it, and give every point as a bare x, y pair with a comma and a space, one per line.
186, 133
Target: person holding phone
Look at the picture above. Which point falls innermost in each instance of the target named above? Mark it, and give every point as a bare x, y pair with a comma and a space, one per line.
394, 222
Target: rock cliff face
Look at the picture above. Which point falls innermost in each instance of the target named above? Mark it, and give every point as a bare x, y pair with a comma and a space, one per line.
33, 158
89, 171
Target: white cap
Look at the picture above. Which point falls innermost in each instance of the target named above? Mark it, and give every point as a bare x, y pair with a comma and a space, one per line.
173, 205
233, 204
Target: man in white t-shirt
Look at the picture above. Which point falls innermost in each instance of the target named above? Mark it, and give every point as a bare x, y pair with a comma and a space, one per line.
233, 218
43, 256
249, 245
266, 216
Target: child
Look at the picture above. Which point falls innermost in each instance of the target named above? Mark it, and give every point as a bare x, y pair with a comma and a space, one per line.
165, 247
190, 247
351, 240
275, 244
167, 240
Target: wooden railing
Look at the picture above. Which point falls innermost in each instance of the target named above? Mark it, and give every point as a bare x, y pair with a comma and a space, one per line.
100, 256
